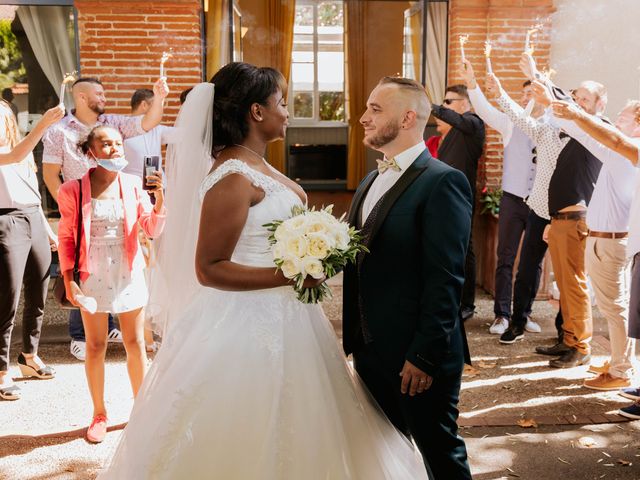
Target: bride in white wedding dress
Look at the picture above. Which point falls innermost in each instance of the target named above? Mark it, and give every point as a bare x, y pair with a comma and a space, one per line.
249, 384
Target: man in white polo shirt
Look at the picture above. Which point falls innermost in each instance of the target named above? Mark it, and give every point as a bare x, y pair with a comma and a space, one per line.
607, 262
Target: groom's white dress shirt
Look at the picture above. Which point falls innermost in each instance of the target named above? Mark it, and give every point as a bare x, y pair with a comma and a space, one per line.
384, 181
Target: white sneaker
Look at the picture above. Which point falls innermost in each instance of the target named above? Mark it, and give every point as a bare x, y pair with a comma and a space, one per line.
78, 349
500, 325
115, 336
532, 327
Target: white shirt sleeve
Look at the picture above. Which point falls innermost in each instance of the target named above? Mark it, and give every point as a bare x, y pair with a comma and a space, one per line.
602, 153
169, 135
493, 117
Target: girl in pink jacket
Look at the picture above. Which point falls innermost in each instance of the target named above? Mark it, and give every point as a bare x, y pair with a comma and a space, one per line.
110, 262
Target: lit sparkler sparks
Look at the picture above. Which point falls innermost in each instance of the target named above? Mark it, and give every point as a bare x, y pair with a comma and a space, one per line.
463, 39
68, 78
165, 56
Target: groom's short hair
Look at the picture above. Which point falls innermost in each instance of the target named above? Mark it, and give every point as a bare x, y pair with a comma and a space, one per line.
413, 89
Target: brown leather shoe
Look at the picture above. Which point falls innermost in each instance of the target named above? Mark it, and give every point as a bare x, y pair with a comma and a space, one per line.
604, 368
605, 381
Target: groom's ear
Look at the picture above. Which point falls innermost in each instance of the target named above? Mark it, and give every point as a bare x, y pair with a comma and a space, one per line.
409, 119
256, 112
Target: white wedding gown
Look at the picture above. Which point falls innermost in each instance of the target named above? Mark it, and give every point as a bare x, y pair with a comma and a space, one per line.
254, 386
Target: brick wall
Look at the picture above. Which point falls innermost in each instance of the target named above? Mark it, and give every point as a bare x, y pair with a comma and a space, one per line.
504, 23
121, 42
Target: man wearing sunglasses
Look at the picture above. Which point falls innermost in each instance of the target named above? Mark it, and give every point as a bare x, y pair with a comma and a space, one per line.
461, 149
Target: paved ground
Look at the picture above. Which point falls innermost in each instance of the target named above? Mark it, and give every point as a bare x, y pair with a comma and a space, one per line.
41, 436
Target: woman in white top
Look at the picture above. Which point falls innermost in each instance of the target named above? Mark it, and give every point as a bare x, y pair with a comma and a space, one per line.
26, 241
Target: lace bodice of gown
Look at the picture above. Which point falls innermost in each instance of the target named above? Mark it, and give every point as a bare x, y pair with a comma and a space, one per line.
253, 245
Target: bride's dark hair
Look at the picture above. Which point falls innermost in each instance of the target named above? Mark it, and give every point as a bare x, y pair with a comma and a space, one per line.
239, 85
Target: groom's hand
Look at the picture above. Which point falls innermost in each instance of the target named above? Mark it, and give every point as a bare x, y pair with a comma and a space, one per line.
414, 380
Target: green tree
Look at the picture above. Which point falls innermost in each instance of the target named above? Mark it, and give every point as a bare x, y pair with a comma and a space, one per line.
11, 67
330, 14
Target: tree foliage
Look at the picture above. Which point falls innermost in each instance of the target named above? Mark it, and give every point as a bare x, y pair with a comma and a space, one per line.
11, 67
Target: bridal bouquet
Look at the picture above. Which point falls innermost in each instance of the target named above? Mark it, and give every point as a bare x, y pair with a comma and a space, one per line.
313, 242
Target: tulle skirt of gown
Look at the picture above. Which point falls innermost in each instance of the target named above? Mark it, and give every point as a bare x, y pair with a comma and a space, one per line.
253, 385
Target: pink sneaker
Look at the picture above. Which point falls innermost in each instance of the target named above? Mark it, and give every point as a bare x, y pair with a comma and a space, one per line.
98, 429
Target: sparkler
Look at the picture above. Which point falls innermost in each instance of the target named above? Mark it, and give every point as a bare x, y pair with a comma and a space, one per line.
165, 56
528, 45
487, 55
463, 39
68, 78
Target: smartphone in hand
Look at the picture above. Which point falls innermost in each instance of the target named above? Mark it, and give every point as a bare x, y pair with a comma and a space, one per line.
151, 165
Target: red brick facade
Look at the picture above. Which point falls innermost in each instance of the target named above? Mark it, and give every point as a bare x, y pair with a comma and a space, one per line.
121, 42
504, 23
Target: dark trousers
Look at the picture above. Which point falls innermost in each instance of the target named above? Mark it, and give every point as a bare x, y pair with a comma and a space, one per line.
25, 258
511, 223
529, 269
469, 287
429, 418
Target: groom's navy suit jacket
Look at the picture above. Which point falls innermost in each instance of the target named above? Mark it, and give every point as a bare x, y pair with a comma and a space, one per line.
409, 285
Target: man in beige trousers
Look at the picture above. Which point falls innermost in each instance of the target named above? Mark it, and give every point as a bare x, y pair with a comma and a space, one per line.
607, 263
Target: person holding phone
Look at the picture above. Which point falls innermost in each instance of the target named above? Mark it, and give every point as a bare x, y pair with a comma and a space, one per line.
61, 156
111, 265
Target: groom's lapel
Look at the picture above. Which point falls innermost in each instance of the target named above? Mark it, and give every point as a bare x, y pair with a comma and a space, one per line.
408, 177
358, 198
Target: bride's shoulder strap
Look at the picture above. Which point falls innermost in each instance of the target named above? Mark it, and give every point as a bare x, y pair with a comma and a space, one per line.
227, 168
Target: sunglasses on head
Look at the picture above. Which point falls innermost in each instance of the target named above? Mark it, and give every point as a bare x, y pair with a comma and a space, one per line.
449, 101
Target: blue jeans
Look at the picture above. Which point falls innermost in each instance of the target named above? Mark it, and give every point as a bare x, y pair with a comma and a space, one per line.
76, 329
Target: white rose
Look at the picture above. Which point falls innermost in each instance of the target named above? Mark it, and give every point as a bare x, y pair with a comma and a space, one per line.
278, 250
313, 267
316, 226
291, 267
299, 223
319, 245
281, 232
342, 238
296, 246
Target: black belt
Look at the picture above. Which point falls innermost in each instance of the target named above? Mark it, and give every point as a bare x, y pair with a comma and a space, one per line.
511, 195
578, 215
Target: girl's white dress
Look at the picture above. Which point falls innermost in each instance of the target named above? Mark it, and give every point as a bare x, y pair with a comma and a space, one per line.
254, 386
115, 288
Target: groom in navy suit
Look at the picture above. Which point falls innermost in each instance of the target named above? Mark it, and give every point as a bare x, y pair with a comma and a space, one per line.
401, 301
